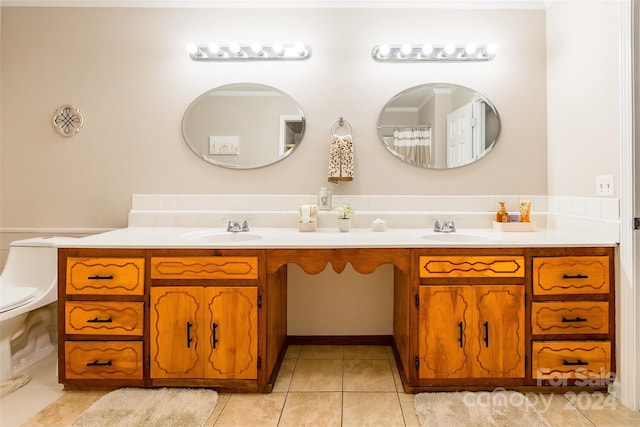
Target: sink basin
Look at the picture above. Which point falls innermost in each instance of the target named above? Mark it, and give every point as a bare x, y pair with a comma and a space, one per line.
456, 237
221, 236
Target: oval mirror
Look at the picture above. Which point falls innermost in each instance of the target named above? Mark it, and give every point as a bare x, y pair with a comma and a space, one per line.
439, 126
243, 125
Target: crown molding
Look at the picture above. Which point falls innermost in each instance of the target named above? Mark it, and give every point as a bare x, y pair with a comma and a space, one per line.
292, 4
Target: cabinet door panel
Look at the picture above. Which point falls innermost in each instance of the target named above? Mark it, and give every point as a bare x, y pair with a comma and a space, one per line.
176, 332
445, 320
231, 316
498, 344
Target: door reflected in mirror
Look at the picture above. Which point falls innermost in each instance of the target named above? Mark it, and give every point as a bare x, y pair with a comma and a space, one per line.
243, 125
439, 126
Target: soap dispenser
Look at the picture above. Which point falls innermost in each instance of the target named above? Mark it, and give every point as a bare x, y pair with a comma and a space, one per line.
502, 215
324, 199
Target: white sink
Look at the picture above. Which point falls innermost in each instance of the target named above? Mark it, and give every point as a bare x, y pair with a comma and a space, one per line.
208, 236
456, 237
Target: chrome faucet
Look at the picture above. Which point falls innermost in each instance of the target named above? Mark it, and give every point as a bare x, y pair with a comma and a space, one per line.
235, 227
446, 227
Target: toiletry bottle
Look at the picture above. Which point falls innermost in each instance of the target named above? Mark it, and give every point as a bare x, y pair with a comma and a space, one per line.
324, 199
502, 215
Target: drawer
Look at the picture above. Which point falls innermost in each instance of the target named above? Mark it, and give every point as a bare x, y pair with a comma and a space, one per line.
580, 317
105, 276
120, 360
571, 359
104, 318
571, 275
471, 266
214, 267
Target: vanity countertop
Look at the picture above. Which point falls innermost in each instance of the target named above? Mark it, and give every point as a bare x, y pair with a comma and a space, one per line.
281, 238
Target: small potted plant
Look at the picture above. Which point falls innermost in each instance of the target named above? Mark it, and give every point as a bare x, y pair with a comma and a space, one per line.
344, 216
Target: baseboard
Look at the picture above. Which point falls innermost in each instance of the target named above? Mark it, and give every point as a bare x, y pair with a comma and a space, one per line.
339, 340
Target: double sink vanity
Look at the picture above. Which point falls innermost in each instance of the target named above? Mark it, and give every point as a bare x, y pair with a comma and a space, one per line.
202, 307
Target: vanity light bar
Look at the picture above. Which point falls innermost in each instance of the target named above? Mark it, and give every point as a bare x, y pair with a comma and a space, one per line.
433, 53
249, 52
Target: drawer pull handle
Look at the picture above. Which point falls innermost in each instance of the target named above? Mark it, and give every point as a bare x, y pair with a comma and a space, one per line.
96, 363
486, 334
189, 339
96, 320
577, 319
577, 363
577, 276
214, 339
460, 329
98, 277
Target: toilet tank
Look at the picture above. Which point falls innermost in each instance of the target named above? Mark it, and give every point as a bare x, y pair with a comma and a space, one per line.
33, 262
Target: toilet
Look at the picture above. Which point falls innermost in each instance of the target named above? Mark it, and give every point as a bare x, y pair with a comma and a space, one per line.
28, 286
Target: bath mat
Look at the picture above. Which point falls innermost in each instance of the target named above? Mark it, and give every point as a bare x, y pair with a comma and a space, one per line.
166, 407
13, 383
477, 409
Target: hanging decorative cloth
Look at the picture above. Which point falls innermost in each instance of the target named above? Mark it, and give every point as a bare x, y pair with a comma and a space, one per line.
341, 153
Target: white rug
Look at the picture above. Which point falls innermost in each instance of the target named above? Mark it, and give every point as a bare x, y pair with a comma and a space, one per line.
166, 407
477, 409
13, 383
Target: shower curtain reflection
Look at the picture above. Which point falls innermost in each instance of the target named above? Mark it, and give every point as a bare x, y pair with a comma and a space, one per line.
413, 144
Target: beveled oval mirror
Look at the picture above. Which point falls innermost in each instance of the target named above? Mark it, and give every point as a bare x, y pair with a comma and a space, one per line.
439, 126
243, 125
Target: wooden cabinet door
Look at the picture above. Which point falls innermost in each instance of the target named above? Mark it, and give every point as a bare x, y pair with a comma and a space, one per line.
176, 332
498, 337
231, 316
445, 325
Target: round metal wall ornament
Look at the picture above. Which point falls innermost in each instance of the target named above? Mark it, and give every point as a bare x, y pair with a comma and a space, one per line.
67, 120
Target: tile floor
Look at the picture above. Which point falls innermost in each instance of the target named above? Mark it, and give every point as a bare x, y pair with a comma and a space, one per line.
316, 386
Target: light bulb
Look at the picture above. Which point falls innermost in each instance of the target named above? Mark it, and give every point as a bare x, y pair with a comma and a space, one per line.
449, 49
193, 49
427, 49
300, 49
214, 48
384, 50
235, 48
256, 47
491, 49
470, 49
278, 49
405, 49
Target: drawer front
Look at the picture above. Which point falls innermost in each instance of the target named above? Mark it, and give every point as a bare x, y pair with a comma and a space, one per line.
104, 318
120, 360
571, 275
214, 267
471, 266
571, 359
105, 276
581, 317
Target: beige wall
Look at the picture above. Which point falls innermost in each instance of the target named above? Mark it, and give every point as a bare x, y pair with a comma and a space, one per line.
583, 95
128, 72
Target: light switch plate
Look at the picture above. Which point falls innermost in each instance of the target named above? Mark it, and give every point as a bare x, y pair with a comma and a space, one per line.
604, 185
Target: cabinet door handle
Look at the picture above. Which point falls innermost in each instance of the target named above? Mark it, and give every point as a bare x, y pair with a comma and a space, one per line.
189, 339
460, 333
576, 319
577, 276
577, 363
96, 363
486, 334
98, 277
214, 339
96, 320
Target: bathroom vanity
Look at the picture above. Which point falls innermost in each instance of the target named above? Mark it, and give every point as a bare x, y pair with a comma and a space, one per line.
148, 308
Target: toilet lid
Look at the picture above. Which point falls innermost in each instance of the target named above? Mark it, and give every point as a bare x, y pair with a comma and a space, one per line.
15, 296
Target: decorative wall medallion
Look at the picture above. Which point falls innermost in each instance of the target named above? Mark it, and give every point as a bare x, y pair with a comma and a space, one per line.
67, 120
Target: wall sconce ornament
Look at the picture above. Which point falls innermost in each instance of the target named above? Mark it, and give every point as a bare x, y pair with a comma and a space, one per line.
67, 120
471, 52
255, 51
